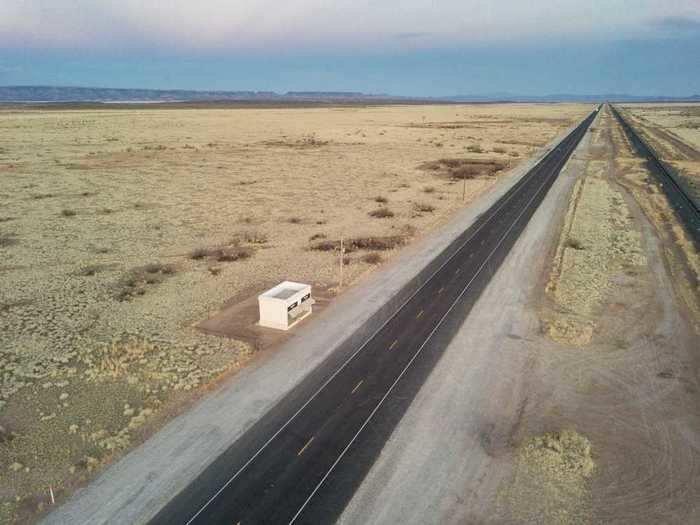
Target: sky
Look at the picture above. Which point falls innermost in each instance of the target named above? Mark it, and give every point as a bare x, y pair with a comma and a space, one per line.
400, 47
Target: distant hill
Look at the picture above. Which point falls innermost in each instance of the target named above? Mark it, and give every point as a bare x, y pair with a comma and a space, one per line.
63, 94
28, 94
564, 97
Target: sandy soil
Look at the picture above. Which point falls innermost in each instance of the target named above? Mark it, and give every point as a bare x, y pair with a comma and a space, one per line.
505, 394
674, 132
121, 230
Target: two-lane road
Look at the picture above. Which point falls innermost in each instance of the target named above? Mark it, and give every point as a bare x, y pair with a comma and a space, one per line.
303, 460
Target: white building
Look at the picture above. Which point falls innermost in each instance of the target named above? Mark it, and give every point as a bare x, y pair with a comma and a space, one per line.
285, 305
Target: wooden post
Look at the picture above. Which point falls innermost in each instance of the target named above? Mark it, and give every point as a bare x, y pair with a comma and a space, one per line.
53, 500
464, 187
342, 252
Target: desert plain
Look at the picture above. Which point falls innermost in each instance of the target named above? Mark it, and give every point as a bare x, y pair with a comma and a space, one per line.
123, 228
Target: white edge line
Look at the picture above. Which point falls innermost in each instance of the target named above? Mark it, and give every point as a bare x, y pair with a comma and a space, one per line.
381, 401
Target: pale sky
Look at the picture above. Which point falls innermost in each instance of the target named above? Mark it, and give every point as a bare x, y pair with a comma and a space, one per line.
465, 46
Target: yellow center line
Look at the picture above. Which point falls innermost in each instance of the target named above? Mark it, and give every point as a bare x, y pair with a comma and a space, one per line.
393, 344
419, 314
305, 446
357, 386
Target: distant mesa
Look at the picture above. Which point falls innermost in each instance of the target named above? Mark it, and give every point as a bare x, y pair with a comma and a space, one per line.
67, 94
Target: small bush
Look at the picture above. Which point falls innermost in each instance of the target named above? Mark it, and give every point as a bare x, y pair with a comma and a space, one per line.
422, 207
372, 258
429, 189
381, 200
317, 236
465, 172
381, 213
68, 213
574, 243
7, 239
326, 246
199, 253
378, 243
136, 282
475, 148
294, 220
91, 270
499, 149
231, 254
254, 237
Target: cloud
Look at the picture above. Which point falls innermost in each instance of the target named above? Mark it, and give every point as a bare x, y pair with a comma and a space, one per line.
235, 25
674, 24
412, 35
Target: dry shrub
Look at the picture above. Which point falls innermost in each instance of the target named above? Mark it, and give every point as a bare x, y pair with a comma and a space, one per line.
381, 213
68, 213
429, 189
137, 281
464, 168
386, 242
199, 253
381, 200
560, 453
114, 359
91, 270
7, 239
232, 253
317, 236
574, 243
422, 207
294, 220
498, 149
253, 237
326, 246
475, 148
372, 258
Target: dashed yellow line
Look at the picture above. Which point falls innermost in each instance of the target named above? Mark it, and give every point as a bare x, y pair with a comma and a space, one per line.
419, 314
357, 386
393, 344
305, 446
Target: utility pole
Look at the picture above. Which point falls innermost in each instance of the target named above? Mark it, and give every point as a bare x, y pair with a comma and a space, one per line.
342, 252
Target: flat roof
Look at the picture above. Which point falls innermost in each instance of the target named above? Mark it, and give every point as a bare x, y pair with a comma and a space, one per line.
284, 293
285, 290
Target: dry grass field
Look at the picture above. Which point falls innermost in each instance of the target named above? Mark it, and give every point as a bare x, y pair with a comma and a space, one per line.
120, 229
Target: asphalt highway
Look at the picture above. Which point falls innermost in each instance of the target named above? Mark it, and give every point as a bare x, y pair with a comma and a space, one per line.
302, 462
